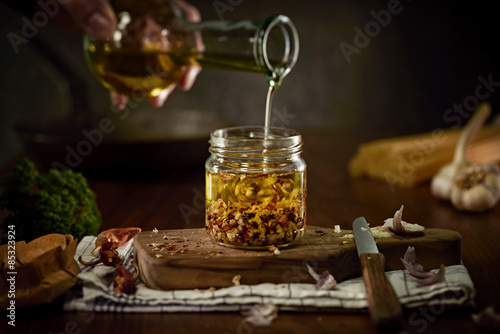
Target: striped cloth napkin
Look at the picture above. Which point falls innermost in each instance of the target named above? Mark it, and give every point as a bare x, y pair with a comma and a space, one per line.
95, 293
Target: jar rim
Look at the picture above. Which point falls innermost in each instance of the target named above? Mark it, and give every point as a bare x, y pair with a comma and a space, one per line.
256, 141
252, 136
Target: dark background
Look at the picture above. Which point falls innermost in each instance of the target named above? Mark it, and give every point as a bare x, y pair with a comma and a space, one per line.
427, 59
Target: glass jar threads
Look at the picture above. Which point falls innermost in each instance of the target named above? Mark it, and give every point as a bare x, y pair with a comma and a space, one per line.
255, 187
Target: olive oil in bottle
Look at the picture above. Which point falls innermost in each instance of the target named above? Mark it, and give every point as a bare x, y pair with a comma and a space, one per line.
133, 73
148, 52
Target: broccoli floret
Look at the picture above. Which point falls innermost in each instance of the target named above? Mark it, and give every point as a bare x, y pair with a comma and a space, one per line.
56, 202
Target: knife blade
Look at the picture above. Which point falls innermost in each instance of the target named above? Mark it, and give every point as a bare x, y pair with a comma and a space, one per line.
385, 308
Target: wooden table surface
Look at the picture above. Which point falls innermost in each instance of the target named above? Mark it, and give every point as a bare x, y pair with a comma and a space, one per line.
333, 198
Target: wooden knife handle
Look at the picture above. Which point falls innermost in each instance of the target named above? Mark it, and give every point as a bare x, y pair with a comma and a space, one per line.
384, 306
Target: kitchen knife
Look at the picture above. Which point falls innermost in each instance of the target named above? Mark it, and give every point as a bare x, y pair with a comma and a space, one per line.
384, 306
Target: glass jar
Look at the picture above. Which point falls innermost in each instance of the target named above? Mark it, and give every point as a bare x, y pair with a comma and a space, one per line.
255, 187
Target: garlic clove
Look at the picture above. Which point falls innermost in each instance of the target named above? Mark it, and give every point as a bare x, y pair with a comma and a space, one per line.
261, 315
417, 272
399, 226
411, 264
325, 281
476, 188
437, 277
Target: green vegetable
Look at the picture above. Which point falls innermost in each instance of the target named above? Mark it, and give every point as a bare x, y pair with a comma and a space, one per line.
56, 202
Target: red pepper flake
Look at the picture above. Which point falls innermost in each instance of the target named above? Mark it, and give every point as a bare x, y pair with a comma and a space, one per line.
226, 176
271, 205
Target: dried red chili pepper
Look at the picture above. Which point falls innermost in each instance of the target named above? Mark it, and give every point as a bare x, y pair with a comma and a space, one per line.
119, 237
108, 255
123, 281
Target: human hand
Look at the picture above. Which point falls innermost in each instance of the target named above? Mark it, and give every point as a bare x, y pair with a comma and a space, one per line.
97, 18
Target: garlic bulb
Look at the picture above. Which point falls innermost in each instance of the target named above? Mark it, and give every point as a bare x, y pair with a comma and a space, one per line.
442, 182
476, 188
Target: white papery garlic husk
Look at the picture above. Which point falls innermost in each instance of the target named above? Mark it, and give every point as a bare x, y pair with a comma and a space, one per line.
442, 182
476, 188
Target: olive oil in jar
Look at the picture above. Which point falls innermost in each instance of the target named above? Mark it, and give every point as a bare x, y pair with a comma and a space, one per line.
255, 210
255, 187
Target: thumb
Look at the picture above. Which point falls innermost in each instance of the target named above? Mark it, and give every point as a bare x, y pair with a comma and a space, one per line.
96, 17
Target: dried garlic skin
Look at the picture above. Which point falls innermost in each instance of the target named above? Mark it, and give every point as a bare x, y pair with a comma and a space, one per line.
476, 188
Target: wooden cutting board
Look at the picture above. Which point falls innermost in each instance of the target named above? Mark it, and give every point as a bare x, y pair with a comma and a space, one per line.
188, 258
